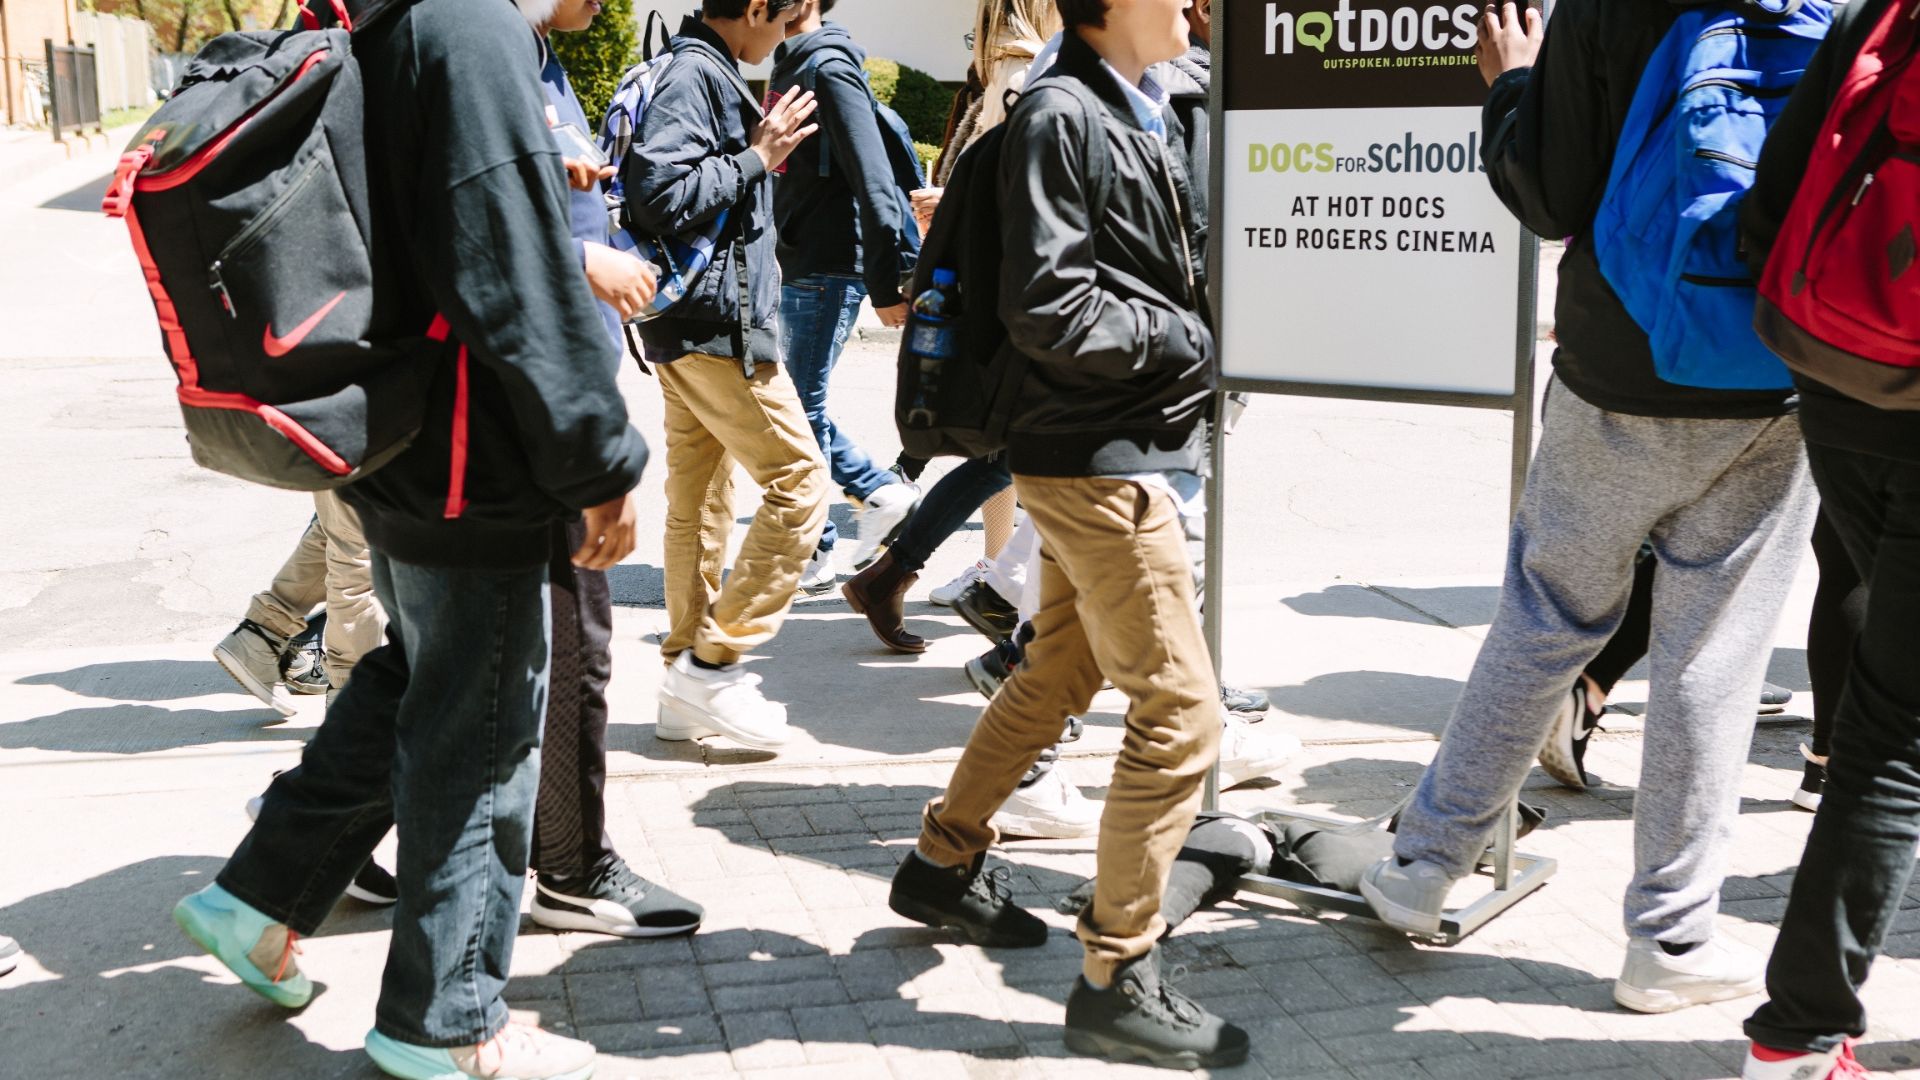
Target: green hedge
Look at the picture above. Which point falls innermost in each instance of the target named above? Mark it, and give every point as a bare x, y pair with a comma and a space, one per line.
596, 57
920, 99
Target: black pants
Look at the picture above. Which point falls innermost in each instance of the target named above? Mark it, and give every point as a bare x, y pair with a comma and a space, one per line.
1860, 855
1839, 608
570, 818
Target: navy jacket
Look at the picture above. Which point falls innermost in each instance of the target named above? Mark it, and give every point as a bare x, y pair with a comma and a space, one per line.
586, 209
690, 163
848, 221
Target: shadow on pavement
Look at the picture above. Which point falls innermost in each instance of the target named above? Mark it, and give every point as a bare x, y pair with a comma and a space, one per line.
140, 680
119, 1000
1450, 605
84, 199
145, 729
1418, 703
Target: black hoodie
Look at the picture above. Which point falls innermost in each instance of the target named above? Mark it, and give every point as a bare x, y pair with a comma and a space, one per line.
470, 205
848, 221
1550, 132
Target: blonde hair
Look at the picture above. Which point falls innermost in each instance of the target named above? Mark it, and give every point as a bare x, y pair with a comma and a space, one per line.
1003, 24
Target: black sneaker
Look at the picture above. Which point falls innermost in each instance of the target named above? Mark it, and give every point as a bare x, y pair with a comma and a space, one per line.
1245, 704
975, 901
1773, 699
988, 671
303, 668
987, 611
1140, 1018
613, 900
373, 885
1564, 755
1813, 781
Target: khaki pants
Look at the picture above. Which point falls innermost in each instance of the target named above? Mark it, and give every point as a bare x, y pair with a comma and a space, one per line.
1116, 600
716, 417
331, 565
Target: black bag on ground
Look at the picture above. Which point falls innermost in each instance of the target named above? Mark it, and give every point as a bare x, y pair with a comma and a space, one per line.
246, 199
962, 404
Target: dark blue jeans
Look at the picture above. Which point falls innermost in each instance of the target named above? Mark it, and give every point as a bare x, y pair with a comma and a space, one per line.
1859, 857
817, 314
439, 729
947, 507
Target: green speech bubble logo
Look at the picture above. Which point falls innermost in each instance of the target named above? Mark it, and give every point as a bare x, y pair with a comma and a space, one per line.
1310, 19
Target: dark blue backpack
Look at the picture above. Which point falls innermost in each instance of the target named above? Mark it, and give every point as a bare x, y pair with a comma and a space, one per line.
908, 174
1667, 235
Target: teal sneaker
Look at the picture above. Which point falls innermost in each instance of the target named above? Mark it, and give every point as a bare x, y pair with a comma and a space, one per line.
251, 945
517, 1052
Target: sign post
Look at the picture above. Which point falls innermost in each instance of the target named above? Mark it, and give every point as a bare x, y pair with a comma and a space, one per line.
1357, 251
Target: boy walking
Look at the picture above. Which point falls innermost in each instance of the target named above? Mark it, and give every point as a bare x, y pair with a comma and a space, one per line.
704, 149
843, 236
1714, 480
439, 729
1108, 308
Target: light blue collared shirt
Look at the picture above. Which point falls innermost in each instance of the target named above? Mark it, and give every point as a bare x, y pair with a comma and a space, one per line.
1146, 100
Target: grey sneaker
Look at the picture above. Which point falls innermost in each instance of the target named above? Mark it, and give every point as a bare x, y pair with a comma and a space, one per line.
251, 654
1408, 898
9, 954
1142, 1018
1654, 981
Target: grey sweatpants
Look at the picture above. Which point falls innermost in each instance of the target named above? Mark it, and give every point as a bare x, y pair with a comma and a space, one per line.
1728, 506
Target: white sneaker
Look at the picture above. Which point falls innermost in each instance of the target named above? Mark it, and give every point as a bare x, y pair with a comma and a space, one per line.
1246, 754
251, 654
1766, 1063
1716, 970
1050, 808
696, 702
9, 954
1408, 898
879, 521
518, 1052
946, 594
818, 577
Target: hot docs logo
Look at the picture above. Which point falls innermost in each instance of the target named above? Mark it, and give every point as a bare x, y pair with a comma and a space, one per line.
1404, 29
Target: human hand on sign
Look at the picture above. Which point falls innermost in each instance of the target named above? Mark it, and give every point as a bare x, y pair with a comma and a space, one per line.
1508, 39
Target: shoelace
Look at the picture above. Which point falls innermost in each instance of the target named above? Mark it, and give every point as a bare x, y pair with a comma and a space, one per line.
620, 878
1169, 1005
287, 952
507, 1039
995, 886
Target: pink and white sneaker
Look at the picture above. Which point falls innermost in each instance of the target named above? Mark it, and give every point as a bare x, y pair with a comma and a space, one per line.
1766, 1063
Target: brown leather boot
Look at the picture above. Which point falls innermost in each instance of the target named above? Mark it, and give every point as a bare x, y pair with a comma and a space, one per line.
880, 593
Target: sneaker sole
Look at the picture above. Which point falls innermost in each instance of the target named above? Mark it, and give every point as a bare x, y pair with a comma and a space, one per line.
682, 717
926, 915
1091, 1045
1034, 828
190, 923
1556, 756
367, 896
862, 561
232, 665
1401, 918
982, 682
554, 919
1666, 1001
1805, 800
409, 1063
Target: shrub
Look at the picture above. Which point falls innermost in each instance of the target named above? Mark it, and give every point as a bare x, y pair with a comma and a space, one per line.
920, 99
596, 57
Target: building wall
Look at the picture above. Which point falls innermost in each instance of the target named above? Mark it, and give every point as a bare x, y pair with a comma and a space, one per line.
926, 34
25, 27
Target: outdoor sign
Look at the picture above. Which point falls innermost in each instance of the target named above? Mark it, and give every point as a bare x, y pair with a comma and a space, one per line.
1360, 246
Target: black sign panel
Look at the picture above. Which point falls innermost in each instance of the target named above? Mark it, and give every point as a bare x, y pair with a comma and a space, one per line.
1351, 54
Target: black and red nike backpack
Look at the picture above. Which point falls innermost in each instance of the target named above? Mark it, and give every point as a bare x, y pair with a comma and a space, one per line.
246, 197
1840, 296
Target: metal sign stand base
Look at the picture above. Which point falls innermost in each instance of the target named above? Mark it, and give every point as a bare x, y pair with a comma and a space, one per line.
1514, 875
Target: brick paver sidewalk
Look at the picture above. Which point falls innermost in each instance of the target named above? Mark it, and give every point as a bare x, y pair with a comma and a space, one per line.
802, 971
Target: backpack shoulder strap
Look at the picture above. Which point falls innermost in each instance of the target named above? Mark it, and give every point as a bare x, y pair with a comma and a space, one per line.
810, 82
652, 44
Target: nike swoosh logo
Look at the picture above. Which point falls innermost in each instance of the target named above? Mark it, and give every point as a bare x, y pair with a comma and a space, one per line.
282, 345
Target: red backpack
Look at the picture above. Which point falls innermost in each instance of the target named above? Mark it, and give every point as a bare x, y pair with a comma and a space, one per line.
1840, 297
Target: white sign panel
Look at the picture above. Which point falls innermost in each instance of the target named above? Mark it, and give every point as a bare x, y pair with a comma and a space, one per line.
1361, 245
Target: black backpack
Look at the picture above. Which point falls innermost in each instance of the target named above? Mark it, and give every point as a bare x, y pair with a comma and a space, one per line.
966, 412
246, 198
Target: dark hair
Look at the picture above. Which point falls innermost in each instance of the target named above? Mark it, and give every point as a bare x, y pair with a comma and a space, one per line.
737, 9
1083, 13
827, 6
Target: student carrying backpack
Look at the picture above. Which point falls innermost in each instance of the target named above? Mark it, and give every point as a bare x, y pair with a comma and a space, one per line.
1833, 217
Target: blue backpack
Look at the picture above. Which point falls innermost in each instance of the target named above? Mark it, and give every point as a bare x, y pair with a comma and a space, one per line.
902, 158
1667, 234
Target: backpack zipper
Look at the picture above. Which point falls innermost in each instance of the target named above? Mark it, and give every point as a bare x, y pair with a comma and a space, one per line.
246, 238
1721, 155
1838, 198
1748, 89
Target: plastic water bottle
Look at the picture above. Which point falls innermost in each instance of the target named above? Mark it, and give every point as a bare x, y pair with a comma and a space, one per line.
933, 336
